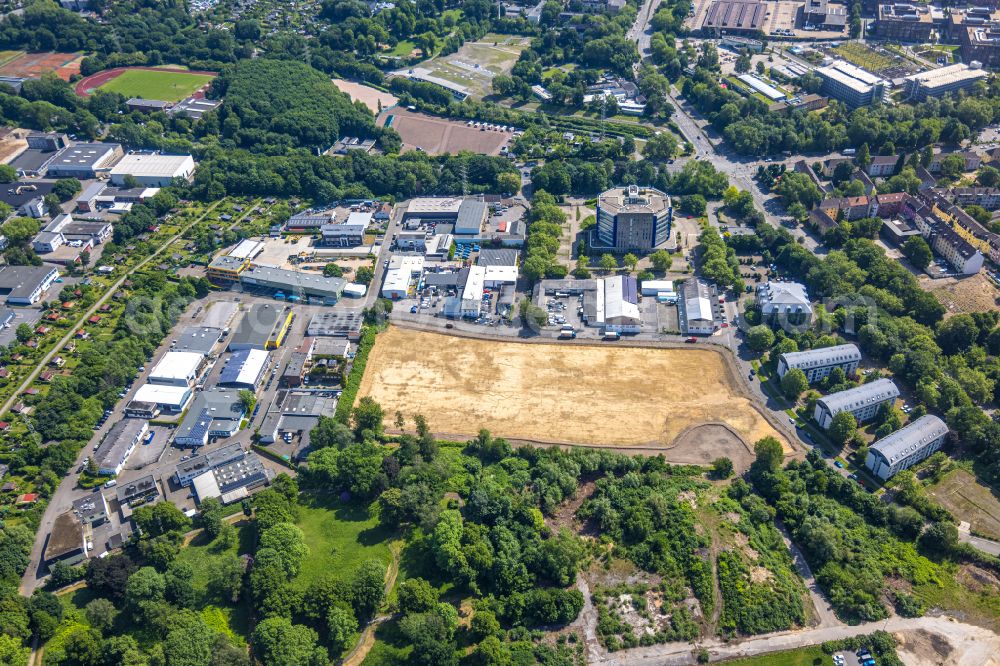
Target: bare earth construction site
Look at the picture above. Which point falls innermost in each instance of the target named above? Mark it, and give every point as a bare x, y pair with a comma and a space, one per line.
684, 401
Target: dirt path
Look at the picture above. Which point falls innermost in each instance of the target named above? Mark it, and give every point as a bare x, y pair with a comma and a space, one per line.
367, 639
824, 611
970, 645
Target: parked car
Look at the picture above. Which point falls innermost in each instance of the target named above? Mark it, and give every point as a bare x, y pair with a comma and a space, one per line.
838, 464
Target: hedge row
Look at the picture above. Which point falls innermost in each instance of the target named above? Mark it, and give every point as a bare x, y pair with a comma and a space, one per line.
346, 402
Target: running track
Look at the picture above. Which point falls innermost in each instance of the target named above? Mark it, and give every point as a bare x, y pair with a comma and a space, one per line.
86, 85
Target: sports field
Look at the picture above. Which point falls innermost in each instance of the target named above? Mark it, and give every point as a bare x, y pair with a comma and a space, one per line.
34, 65
553, 393
153, 84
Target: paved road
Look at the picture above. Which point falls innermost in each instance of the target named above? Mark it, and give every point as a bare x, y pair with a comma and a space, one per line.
63, 496
975, 646
93, 310
641, 32
979, 543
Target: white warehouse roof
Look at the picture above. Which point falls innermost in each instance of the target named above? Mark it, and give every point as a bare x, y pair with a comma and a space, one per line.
154, 166
162, 394
176, 366
247, 249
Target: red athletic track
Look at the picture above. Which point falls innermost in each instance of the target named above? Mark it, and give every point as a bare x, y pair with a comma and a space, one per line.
86, 85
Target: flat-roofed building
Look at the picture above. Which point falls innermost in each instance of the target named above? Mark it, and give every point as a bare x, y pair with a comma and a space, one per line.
944, 80
165, 398
308, 222
851, 85
84, 160
198, 339
294, 370
226, 269
904, 22
177, 368
66, 541
135, 493
980, 43
215, 412
138, 409
471, 217
199, 464
336, 323
735, 17
294, 285
343, 234
152, 170
264, 326
906, 447
784, 302
244, 369
863, 402
432, 209
633, 218
232, 481
25, 285
116, 447
91, 509
472, 293
247, 249
401, 272
818, 363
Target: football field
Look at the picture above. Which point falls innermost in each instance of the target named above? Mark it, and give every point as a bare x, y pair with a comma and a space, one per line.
161, 85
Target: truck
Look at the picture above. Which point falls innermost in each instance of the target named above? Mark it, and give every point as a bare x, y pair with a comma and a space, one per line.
148, 438
567, 334
612, 335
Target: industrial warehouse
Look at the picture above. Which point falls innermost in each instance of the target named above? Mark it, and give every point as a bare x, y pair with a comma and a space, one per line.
263, 326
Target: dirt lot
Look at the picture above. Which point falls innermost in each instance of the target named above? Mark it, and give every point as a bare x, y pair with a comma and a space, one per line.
369, 96
595, 395
436, 136
959, 493
476, 63
973, 293
33, 65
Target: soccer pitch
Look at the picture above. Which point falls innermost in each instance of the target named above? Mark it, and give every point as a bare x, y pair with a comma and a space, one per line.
150, 84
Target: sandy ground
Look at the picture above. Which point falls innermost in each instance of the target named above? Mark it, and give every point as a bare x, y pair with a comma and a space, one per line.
436, 136
371, 97
973, 293
11, 148
946, 648
596, 395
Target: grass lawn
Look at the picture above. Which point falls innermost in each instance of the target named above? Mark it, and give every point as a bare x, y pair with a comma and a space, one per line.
340, 536
166, 86
965, 497
801, 657
203, 556
978, 603
403, 48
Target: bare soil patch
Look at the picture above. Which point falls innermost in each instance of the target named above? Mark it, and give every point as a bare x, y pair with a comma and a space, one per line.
436, 136
971, 293
561, 394
370, 97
